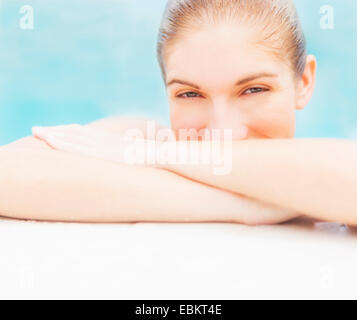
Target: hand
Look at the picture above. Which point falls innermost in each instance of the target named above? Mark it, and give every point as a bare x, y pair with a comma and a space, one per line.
83, 140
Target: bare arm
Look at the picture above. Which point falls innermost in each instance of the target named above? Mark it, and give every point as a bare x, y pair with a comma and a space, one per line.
317, 177
37, 182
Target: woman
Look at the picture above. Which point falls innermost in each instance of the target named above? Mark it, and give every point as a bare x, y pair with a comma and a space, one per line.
238, 65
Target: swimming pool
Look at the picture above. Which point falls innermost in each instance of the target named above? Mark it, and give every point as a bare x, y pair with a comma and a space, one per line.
89, 59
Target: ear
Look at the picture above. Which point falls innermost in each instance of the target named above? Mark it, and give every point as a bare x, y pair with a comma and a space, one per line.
306, 84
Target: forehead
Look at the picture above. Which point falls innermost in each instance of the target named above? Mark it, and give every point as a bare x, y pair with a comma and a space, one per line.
220, 55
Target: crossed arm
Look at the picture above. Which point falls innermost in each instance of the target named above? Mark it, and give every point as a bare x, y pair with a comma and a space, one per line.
316, 177
40, 183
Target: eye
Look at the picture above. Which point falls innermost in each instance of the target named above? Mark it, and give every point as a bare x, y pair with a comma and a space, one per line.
189, 95
255, 90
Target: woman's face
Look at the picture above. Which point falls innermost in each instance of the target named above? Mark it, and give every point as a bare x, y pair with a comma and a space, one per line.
219, 78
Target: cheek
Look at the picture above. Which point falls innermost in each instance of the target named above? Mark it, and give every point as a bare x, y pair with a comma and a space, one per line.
276, 121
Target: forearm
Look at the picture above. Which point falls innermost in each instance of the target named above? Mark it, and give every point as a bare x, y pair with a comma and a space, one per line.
44, 184
317, 177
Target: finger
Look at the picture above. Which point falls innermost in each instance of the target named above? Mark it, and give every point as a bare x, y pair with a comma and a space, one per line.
41, 130
93, 137
37, 132
104, 153
79, 133
72, 138
67, 146
83, 136
70, 133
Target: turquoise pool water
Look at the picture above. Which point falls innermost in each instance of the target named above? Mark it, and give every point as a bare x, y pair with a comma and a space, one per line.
86, 59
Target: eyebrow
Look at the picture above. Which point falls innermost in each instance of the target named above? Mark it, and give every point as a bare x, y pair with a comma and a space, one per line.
256, 76
238, 83
184, 83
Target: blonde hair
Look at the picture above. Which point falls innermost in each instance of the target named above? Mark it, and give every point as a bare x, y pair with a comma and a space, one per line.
281, 30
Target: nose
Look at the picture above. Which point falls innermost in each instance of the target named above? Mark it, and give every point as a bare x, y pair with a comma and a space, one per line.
224, 118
